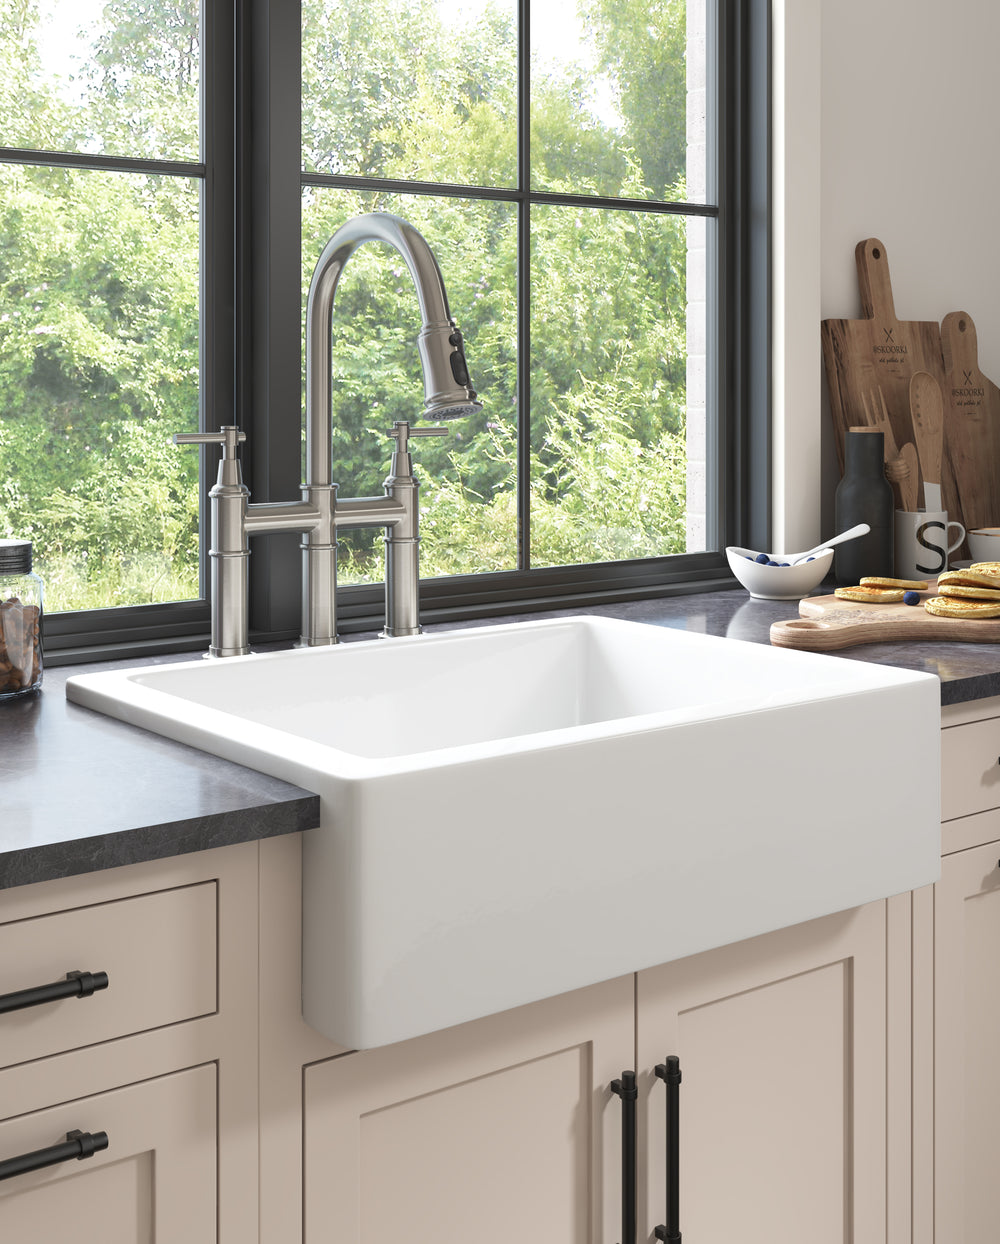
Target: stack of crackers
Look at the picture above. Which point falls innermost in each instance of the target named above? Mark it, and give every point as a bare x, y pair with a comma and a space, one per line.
876, 590
971, 593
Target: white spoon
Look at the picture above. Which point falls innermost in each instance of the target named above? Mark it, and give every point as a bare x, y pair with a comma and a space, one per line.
851, 534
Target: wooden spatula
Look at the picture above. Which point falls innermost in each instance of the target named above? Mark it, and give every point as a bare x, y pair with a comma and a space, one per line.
927, 411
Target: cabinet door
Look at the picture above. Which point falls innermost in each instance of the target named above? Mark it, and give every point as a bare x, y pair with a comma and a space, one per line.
967, 1041
782, 1050
156, 1180
499, 1130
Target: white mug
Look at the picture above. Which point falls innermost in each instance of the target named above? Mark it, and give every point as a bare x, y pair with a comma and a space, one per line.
922, 542
984, 544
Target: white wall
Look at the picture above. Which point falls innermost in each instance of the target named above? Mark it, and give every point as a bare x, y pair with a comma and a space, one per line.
902, 98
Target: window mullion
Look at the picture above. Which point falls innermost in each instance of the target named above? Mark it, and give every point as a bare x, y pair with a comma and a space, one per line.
270, 274
524, 285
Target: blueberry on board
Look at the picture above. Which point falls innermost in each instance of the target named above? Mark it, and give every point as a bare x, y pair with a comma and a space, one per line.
762, 559
911, 598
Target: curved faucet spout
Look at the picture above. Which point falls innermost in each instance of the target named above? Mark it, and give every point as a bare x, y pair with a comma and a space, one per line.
447, 392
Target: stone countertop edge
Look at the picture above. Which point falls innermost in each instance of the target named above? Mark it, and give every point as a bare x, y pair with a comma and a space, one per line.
84, 792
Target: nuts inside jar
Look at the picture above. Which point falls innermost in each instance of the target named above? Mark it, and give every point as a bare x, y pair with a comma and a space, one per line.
20, 645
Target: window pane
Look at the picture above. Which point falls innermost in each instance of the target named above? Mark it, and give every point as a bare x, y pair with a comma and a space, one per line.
467, 479
424, 90
611, 334
115, 77
616, 88
98, 366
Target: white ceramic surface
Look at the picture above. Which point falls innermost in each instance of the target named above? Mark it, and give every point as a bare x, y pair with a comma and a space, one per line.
984, 544
778, 582
513, 811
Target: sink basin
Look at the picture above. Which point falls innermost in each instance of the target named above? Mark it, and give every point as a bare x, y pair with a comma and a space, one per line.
510, 812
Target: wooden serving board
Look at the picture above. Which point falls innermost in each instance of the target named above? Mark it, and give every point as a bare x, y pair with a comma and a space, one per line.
878, 355
829, 623
971, 424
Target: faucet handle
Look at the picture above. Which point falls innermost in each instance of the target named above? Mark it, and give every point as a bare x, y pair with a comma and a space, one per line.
401, 432
228, 436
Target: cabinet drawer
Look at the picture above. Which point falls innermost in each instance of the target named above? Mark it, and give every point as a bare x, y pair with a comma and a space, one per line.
970, 768
159, 953
155, 1180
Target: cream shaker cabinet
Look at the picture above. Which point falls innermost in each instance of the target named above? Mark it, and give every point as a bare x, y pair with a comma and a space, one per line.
956, 924
781, 1045
498, 1130
508, 1127
155, 1179
143, 1071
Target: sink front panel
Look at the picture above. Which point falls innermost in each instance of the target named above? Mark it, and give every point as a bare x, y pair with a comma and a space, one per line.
462, 890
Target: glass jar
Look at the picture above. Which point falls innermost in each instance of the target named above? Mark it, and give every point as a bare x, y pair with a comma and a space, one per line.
20, 621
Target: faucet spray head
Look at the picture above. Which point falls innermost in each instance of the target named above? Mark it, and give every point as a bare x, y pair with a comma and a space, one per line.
447, 391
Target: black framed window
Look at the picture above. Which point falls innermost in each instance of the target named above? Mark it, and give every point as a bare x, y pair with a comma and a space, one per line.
593, 179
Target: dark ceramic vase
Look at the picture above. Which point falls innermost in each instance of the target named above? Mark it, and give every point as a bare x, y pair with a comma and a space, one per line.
864, 496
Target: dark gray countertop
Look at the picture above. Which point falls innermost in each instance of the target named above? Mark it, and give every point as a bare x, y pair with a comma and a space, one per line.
83, 792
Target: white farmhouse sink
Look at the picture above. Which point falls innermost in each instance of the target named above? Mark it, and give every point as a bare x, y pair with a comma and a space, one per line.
514, 811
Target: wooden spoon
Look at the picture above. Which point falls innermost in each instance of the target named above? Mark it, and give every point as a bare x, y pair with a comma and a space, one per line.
904, 472
927, 411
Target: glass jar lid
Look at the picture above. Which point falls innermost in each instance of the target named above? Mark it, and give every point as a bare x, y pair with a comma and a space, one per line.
15, 557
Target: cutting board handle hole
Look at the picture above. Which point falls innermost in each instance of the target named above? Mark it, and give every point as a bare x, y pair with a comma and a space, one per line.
961, 326
804, 625
876, 253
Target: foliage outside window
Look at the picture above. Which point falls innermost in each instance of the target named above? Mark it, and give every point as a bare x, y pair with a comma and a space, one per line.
99, 303
600, 187
428, 92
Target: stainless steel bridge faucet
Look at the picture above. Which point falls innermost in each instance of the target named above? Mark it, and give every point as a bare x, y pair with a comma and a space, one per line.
318, 515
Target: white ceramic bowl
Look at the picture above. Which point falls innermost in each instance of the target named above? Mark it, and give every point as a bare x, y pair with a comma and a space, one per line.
984, 544
778, 582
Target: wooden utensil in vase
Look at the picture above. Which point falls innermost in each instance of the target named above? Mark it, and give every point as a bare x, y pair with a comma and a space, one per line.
927, 412
904, 471
901, 467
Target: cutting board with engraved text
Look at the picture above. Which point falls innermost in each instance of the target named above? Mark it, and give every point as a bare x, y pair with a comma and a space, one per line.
828, 623
971, 424
877, 354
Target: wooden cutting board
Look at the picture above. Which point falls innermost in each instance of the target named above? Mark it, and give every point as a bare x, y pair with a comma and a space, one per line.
877, 352
829, 623
972, 424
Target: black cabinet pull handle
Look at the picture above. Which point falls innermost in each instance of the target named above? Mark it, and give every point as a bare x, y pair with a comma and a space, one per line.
75, 985
670, 1073
626, 1089
78, 1145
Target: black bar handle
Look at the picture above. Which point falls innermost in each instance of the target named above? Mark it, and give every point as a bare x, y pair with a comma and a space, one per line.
626, 1089
670, 1073
74, 985
77, 1145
